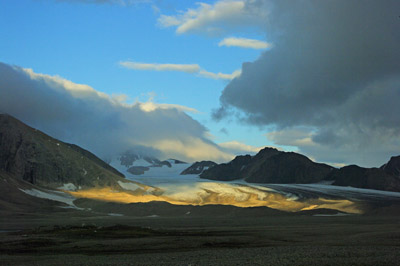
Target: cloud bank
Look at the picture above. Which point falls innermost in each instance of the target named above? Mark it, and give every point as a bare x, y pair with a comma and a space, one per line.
244, 43
331, 84
107, 126
187, 68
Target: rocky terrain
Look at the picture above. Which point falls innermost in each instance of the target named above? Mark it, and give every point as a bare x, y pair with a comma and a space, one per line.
392, 167
270, 166
30, 155
198, 167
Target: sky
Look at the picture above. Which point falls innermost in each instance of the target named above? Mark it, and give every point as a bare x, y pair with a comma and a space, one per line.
208, 79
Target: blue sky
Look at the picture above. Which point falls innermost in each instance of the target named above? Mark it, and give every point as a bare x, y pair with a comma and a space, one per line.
85, 42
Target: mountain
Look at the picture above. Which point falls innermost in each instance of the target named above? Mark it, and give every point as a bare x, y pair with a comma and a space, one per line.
13, 199
132, 163
371, 178
273, 166
393, 166
30, 155
270, 166
286, 167
198, 168
228, 171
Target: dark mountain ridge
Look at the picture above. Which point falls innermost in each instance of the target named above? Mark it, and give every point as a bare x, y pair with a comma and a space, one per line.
393, 166
273, 166
270, 166
198, 168
30, 155
360, 177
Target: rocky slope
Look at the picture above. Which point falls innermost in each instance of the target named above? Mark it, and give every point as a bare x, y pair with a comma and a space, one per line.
198, 167
228, 171
393, 166
30, 155
371, 178
270, 166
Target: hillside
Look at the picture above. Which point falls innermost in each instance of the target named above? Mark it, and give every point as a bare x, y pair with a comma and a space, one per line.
30, 155
270, 166
198, 168
370, 178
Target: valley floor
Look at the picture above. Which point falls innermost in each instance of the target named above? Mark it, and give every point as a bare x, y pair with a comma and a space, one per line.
84, 238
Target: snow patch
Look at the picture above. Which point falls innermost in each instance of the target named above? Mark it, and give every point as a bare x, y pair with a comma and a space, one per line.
68, 187
129, 186
141, 162
53, 195
115, 214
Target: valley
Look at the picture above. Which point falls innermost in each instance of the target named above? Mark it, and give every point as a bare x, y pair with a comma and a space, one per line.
167, 214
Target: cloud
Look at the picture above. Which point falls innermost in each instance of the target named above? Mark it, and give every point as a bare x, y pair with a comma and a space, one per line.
224, 131
244, 43
219, 75
291, 137
345, 147
335, 69
105, 125
187, 68
239, 148
216, 18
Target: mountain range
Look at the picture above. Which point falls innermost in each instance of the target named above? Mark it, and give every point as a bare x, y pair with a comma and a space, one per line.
30, 155
273, 166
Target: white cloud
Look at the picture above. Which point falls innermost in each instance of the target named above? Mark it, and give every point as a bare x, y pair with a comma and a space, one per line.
193, 149
103, 124
211, 75
239, 148
216, 18
150, 106
187, 68
291, 137
244, 43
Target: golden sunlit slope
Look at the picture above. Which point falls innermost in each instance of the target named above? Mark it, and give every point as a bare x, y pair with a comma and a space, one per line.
210, 193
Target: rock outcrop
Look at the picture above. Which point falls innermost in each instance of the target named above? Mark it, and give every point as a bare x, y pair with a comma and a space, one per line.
198, 167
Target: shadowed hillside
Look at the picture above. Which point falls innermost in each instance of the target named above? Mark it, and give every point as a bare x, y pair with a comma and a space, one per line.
30, 155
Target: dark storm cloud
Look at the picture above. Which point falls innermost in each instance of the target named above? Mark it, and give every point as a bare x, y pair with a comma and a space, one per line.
79, 114
335, 68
